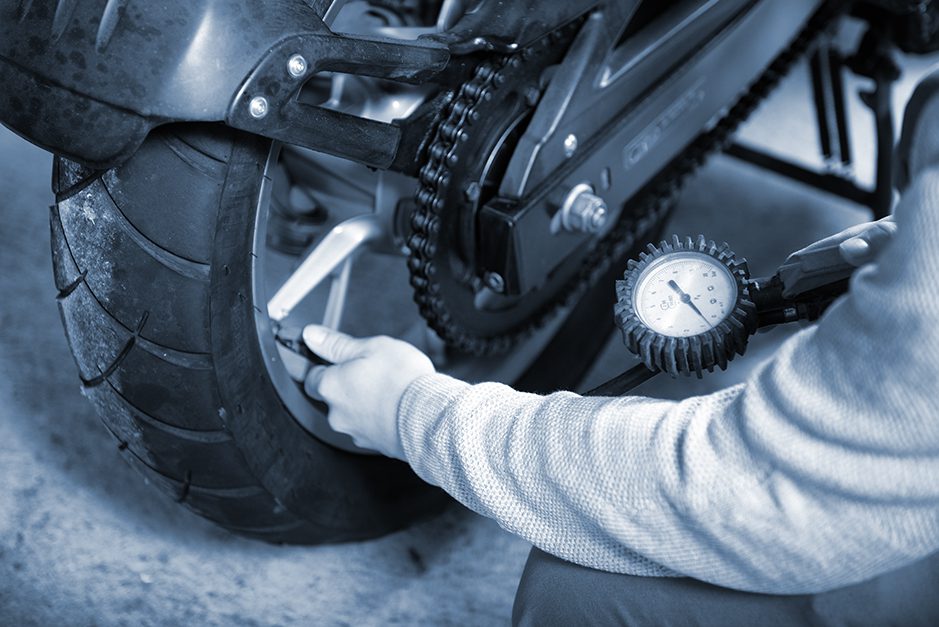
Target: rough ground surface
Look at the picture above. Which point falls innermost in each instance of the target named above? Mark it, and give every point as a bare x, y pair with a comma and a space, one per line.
84, 541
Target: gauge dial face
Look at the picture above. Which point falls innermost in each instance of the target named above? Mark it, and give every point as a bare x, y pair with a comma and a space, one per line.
684, 294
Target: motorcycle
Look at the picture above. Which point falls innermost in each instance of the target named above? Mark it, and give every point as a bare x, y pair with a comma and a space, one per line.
227, 172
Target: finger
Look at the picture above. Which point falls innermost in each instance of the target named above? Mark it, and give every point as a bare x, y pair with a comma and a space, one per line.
313, 380
331, 345
848, 233
856, 251
879, 236
867, 245
831, 240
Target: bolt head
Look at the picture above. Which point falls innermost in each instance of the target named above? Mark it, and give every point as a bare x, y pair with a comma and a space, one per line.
258, 107
495, 282
570, 145
589, 212
532, 95
296, 66
472, 191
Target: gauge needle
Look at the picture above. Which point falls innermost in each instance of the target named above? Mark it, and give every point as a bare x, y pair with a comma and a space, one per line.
685, 298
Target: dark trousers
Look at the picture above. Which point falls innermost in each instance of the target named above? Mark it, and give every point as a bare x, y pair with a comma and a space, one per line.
555, 592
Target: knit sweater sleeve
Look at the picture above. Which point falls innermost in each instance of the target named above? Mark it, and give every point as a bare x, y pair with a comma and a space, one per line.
820, 471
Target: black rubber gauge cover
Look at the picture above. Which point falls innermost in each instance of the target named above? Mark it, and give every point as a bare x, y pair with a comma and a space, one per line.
694, 354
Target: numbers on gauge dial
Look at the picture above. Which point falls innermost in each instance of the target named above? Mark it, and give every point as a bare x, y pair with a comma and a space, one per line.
684, 294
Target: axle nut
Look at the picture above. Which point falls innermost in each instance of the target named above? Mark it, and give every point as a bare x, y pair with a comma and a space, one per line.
583, 210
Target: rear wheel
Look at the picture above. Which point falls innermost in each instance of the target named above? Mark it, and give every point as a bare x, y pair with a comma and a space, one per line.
154, 262
160, 266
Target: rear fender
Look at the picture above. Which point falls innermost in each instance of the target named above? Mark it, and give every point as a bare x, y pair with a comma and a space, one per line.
89, 79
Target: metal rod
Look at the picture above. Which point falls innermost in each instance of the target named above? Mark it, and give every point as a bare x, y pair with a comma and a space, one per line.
818, 67
336, 247
334, 8
830, 183
874, 60
882, 108
626, 382
338, 290
835, 68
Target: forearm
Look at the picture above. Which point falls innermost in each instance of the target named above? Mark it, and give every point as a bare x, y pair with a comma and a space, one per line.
624, 485
533, 463
651, 487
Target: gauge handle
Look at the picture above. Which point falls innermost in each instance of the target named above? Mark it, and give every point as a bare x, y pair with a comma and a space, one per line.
774, 307
819, 266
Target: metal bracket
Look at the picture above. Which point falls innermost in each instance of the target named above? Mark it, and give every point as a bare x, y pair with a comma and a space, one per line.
267, 104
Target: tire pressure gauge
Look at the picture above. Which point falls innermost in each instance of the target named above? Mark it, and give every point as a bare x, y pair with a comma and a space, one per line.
685, 306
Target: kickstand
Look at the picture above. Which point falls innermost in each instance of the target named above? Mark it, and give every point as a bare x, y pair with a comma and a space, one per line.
873, 60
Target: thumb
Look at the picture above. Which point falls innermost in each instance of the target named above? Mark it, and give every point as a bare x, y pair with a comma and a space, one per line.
331, 345
856, 251
867, 245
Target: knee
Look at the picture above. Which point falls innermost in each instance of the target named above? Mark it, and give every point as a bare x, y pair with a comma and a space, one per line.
537, 598
555, 592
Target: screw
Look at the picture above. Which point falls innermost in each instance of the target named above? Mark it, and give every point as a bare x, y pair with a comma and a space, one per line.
472, 191
495, 282
570, 145
583, 210
296, 65
258, 107
531, 96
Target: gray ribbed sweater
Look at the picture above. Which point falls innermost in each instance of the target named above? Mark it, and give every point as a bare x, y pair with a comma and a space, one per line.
820, 471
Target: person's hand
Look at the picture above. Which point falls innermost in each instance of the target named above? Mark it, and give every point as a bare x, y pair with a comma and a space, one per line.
835, 258
858, 244
365, 385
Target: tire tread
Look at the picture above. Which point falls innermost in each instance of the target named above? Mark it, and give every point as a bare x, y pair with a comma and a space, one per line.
191, 459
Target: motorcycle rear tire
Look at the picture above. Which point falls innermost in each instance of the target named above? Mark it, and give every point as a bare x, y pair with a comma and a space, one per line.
153, 262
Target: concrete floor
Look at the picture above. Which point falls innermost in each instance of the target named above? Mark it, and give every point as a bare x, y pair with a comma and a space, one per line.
84, 541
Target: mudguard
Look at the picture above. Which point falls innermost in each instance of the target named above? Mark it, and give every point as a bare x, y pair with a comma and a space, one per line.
90, 78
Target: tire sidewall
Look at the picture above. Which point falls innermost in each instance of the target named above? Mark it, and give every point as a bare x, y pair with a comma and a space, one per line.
347, 496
